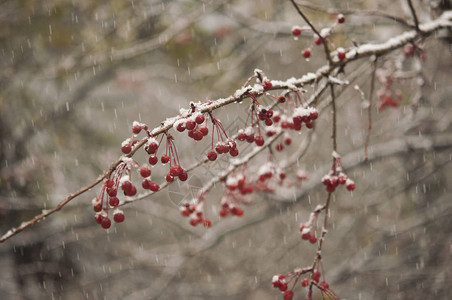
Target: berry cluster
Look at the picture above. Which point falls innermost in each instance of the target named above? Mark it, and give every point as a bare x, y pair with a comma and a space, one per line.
325, 33
337, 176
193, 124
126, 146
108, 196
170, 156
307, 229
256, 113
282, 282
194, 210
223, 144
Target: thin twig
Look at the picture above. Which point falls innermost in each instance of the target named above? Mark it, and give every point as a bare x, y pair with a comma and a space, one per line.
375, 13
413, 12
325, 46
369, 110
333, 105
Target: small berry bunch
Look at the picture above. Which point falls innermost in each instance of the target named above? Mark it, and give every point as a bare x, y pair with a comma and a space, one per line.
193, 124
229, 203
126, 146
256, 113
170, 156
237, 182
223, 144
108, 196
307, 229
317, 40
296, 112
194, 211
337, 175
282, 282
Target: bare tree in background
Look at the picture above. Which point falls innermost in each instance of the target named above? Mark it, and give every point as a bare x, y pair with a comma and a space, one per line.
75, 75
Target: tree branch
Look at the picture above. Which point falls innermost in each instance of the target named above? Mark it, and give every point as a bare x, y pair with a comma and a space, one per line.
362, 51
413, 12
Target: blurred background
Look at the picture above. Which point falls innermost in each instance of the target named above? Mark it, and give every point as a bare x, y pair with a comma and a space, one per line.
74, 75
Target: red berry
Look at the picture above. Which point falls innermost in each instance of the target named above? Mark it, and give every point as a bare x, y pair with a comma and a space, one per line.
197, 135
194, 222
175, 170
296, 31
154, 187
234, 152
304, 282
350, 186
250, 138
199, 119
324, 285
313, 239
267, 85
97, 206
282, 99
112, 192
145, 171
288, 140
307, 53
204, 131
314, 115
282, 286
279, 147
126, 149
207, 223
146, 184
152, 148
237, 211
99, 218
136, 129
106, 223
212, 155
224, 212
110, 183
340, 18
185, 212
118, 216
190, 124
153, 160
268, 122
317, 40
288, 295
131, 192
316, 276
341, 54
306, 236
309, 125
241, 136
183, 175
259, 140
126, 185
164, 159
169, 178
114, 201
180, 127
